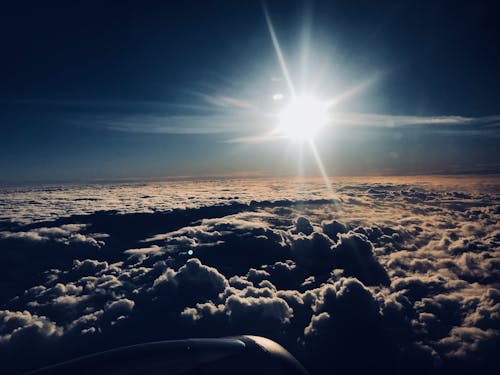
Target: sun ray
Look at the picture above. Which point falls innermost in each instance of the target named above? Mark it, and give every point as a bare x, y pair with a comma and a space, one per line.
322, 170
352, 91
293, 116
277, 48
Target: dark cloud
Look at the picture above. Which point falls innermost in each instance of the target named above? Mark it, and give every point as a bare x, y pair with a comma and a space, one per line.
354, 253
333, 228
200, 280
347, 322
303, 225
313, 253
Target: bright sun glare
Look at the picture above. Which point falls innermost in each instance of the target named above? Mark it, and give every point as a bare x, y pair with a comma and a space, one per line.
302, 118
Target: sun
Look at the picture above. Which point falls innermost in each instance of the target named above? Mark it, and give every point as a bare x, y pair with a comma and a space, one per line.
302, 118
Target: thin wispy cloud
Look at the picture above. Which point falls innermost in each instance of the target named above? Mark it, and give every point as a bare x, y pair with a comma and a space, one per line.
257, 124
383, 120
228, 102
188, 124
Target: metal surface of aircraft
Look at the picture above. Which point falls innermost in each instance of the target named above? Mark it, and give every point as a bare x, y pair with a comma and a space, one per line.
232, 355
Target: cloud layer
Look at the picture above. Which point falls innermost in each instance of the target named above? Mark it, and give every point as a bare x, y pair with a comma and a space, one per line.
394, 276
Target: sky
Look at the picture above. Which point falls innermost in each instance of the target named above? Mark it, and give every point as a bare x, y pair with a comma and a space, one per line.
129, 90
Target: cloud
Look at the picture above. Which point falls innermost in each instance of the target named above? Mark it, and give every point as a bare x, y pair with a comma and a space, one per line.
313, 253
302, 225
333, 228
394, 121
67, 234
120, 307
228, 102
22, 325
182, 124
347, 322
354, 253
394, 277
449, 125
199, 279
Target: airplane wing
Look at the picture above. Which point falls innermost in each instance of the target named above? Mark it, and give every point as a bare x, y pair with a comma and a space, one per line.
232, 355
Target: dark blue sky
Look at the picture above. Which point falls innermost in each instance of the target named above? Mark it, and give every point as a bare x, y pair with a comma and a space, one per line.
132, 89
